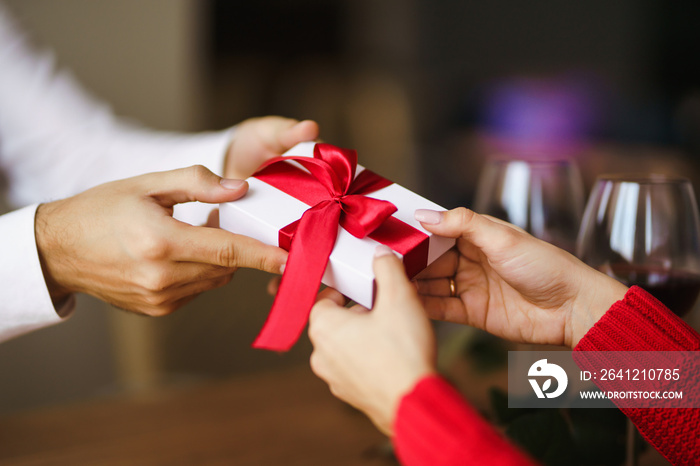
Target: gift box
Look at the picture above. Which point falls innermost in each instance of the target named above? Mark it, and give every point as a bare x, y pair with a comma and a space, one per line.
348, 211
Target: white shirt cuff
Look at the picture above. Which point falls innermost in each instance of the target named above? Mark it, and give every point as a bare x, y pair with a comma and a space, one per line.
25, 303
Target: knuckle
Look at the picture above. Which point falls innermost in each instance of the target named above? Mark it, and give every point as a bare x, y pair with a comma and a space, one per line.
153, 310
159, 311
154, 300
199, 173
161, 307
155, 280
336, 392
318, 328
314, 331
464, 215
168, 308
318, 310
151, 246
149, 311
315, 364
227, 255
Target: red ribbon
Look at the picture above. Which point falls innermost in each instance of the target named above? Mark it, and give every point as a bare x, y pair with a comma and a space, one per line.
336, 197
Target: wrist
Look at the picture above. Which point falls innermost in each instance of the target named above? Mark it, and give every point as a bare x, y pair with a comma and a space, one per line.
47, 247
405, 385
598, 295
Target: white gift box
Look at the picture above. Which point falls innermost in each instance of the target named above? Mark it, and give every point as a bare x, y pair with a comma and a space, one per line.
265, 210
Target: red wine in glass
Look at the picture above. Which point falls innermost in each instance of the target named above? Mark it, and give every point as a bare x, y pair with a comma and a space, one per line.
677, 290
643, 229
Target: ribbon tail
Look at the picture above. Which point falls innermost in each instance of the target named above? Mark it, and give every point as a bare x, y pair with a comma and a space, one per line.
311, 247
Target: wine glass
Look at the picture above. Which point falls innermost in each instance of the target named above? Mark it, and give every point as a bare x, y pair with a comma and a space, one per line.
642, 229
543, 197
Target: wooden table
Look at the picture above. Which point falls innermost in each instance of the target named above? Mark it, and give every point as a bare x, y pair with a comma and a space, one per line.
283, 418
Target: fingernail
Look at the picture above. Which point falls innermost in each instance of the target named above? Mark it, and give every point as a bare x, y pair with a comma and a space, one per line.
431, 217
383, 250
231, 184
282, 267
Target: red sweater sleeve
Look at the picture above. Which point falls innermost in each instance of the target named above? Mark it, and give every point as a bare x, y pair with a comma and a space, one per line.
639, 322
434, 426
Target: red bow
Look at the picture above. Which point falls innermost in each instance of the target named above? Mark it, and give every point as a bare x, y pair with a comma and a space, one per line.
336, 197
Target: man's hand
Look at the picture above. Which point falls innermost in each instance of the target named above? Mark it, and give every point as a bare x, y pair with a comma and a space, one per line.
372, 359
511, 284
257, 140
119, 242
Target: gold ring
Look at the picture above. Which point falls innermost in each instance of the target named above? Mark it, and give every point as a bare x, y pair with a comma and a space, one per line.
453, 288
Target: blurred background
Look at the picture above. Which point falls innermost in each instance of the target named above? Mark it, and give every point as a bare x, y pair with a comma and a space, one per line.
425, 90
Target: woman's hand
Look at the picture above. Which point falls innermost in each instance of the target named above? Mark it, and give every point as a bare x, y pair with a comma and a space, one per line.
371, 359
510, 283
257, 140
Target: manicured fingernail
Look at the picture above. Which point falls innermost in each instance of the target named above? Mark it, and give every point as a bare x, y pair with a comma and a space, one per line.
282, 267
382, 250
431, 217
231, 184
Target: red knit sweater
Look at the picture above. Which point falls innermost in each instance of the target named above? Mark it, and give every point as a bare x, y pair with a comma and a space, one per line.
435, 426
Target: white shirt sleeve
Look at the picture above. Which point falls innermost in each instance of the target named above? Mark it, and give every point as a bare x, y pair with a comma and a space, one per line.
26, 304
56, 141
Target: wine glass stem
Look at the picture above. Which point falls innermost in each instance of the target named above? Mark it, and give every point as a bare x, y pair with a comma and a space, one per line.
631, 447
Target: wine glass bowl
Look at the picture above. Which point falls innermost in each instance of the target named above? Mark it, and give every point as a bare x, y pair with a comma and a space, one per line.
543, 197
643, 229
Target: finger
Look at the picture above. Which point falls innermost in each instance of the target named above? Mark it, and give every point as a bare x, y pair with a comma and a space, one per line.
191, 184
276, 134
273, 285
334, 295
167, 303
392, 283
484, 233
434, 287
327, 312
166, 308
444, 266
302, 131
178, 274
358, 309
213, 219
445, 308
198, 287
223, 248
